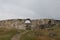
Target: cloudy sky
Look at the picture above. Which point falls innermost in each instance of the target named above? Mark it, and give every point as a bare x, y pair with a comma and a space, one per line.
10, 9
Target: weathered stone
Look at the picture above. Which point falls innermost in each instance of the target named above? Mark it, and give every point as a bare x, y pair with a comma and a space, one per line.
41, 26
50, 29
20, 23
52, 35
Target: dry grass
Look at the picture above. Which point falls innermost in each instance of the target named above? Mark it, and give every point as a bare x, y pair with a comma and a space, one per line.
6, 34
42, 34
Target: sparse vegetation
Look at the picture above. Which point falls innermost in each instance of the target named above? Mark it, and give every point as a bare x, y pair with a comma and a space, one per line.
43, 34
7, 34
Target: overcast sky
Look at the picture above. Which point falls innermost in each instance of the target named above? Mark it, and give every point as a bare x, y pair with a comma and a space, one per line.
10, 9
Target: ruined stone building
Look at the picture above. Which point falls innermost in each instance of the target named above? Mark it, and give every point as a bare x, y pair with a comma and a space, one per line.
21, 23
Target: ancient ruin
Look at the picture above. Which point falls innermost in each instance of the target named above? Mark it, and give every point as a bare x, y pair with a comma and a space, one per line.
23, 23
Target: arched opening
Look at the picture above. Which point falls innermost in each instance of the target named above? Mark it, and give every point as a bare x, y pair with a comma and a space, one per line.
28, 24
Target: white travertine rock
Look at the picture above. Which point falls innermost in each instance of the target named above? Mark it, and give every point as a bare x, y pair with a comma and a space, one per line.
27, 21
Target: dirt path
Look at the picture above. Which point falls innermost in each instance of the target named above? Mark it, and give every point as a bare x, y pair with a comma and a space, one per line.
17, 36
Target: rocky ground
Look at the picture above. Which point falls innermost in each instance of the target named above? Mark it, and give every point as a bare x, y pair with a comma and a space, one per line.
39, 32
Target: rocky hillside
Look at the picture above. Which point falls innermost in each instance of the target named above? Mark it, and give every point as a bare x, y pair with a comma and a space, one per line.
20, 23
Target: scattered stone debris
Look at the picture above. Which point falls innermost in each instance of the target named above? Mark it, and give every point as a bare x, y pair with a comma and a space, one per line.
28, 27
41, 26
45, 26
50, 29
52, 35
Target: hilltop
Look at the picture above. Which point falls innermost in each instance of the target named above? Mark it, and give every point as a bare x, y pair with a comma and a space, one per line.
39, 29
20, 23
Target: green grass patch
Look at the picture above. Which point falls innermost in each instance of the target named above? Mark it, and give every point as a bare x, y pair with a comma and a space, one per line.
6, 34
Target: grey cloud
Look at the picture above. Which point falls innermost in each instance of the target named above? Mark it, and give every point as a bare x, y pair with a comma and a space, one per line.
29, 8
